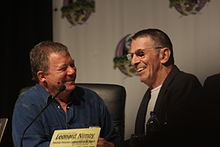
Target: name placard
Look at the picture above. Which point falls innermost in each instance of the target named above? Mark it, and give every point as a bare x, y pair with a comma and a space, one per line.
85, 137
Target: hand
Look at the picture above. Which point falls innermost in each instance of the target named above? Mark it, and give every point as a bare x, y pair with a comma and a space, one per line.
104, 143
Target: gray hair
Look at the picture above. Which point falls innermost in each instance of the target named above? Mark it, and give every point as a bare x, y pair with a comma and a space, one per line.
39, 56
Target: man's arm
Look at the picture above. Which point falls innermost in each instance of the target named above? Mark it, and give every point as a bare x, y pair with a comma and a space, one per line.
22, 117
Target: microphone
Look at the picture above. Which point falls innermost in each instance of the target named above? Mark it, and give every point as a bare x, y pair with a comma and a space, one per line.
61, 89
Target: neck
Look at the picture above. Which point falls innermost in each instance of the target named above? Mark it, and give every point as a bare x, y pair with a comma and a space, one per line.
161, 76
52, 91
63, 104
63, 100
63, 97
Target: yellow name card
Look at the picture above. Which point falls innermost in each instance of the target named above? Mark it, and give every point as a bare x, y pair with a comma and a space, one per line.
85, 137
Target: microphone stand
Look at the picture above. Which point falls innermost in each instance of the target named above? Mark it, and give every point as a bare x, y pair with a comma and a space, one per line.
61, 89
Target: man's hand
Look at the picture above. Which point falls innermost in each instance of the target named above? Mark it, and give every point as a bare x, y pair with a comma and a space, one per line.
104, 143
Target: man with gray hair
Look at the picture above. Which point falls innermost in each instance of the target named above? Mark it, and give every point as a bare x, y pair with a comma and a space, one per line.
167, 114
67, 106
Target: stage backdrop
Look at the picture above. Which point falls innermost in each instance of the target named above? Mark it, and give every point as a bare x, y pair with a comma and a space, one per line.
196, 40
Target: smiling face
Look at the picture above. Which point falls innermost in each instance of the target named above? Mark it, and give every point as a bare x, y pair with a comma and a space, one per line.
146, 59
61, 71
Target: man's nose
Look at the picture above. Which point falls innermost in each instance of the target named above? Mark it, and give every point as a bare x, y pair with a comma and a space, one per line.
134, 60
71, 69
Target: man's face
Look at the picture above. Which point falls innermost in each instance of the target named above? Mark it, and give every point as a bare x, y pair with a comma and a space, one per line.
145, 59
61, 71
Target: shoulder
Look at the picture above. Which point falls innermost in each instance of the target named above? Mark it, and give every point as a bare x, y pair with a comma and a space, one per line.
187, 76
33, 95
213, 77
182, 78
212, 80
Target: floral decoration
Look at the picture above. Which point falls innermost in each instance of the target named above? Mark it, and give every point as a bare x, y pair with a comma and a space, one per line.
77, 11
187, 7
120, 60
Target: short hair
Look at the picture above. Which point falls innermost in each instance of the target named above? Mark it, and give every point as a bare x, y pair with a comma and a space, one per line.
160, 38
39, 56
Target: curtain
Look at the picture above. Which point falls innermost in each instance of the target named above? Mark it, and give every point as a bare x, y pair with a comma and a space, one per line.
25, 23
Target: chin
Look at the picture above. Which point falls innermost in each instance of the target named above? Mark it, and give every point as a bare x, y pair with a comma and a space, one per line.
144, 80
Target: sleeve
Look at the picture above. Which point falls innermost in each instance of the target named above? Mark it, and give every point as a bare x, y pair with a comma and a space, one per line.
183, 101
23, 115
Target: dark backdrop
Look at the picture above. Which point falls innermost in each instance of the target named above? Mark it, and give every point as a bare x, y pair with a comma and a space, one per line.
25, 23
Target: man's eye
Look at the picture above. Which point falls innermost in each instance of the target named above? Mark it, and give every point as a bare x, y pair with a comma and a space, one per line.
62, 68
140, 53
72, 65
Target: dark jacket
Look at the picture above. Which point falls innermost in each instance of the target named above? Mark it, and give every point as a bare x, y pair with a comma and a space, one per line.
176, 111
212, 109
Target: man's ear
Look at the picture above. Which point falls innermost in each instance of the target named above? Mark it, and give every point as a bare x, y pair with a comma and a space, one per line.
41, 76
164, 55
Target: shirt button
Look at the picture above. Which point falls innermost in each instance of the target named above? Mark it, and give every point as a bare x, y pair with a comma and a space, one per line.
58, 107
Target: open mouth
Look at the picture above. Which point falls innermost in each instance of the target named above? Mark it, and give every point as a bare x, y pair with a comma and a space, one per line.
70, 81
140, 69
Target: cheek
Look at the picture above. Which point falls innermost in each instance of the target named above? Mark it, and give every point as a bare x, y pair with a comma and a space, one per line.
154, 61
149, 72
53, 80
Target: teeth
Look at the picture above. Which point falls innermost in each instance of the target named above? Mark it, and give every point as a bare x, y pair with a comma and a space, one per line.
140, 69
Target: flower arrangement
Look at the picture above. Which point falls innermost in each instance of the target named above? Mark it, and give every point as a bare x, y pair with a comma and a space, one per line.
120, 60
187, 7
77, 11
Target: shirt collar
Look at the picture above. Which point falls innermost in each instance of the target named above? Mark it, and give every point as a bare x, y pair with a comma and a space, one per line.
44, 94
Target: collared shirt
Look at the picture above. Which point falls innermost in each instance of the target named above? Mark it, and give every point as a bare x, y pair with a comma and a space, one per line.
85, 109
